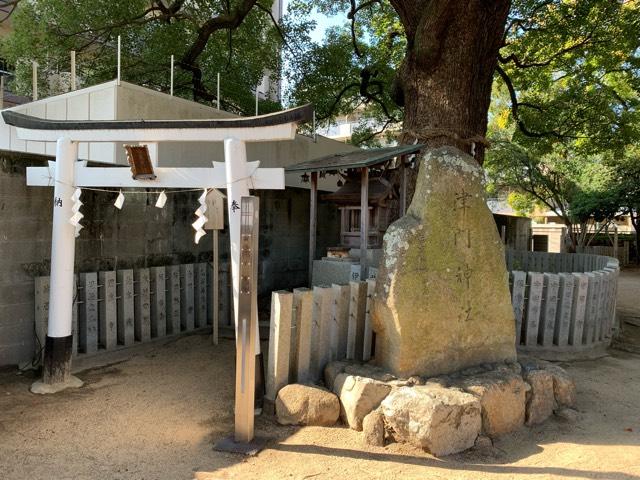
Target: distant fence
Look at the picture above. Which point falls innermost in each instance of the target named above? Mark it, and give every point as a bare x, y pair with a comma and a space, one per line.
609, 251
119, 308
561, 301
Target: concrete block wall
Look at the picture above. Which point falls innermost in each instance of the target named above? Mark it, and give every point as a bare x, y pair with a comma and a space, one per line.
139, 235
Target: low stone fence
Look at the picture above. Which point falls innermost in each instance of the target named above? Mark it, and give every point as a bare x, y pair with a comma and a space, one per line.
119, 308
563, 303
564, 306
310, 328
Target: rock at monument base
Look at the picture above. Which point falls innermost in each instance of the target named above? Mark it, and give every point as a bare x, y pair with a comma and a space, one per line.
442, 300
373, 429
567, 414
564, 388
306, 405
332, 370
441, 420
502, 397
541, 400
358, 397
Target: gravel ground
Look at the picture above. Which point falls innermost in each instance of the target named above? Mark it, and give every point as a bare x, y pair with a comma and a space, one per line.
154, 411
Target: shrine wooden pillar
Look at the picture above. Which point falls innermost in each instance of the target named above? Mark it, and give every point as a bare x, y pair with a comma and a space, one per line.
364, 221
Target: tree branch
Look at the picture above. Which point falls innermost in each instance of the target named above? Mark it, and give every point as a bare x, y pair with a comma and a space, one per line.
520, 64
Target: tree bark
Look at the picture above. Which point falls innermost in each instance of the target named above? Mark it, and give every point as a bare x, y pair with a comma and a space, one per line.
446, 77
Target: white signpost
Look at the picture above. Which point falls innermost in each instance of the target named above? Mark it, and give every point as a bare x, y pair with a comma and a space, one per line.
68, 174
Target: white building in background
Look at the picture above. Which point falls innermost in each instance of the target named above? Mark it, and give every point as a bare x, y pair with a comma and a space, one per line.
270, 89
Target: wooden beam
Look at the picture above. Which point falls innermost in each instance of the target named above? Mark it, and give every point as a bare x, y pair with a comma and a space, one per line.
364, 221
403, 186
313, 222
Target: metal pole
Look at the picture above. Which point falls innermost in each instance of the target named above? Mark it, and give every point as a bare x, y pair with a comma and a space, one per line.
1, 92
73, 70
218, 92
256, 100
119, 47
171, 88
34, 80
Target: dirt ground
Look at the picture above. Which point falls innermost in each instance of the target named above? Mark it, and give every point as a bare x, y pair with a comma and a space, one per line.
155, 411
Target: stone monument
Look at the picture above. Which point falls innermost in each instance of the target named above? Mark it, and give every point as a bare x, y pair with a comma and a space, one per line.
442, 299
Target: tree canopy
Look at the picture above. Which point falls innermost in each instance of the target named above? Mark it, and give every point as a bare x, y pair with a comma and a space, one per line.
571, 68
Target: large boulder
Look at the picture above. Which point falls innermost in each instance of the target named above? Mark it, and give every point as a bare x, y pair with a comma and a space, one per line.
306, 405
358, 397
441, 420
540, 400
442, 300
502, 396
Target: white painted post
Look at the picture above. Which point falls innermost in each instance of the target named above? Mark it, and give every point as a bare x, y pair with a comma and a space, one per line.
235, 162
107, 327
279, 342
171, 87
73, 70
247, 325
59, 341
34, 80
119, 49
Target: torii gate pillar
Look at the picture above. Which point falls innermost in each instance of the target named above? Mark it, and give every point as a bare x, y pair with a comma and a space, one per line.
56, 374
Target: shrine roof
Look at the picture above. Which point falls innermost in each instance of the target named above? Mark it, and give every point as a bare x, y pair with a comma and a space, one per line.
358, 159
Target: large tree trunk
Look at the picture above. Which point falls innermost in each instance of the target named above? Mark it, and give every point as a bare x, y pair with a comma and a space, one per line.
445, 80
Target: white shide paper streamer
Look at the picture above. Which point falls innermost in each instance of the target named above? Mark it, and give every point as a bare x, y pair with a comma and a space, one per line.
162, 199
202, 219
77, 216
119, 201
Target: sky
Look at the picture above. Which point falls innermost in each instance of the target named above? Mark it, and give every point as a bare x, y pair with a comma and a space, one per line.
323, 23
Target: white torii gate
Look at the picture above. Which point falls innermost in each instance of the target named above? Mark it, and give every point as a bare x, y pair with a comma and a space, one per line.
67, 173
